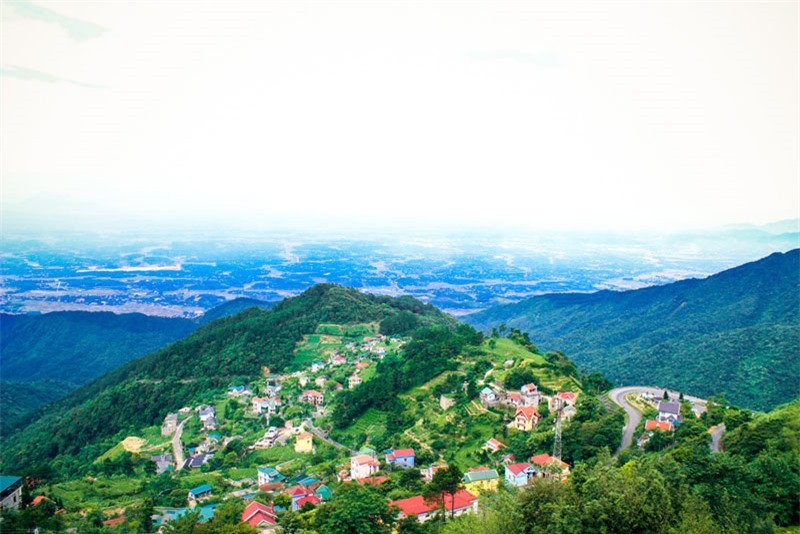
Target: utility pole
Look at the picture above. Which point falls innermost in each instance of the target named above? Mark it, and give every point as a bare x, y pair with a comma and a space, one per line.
557, 441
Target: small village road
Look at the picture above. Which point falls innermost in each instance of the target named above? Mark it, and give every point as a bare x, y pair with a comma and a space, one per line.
617, 395
716, 436
321, 435
177, 447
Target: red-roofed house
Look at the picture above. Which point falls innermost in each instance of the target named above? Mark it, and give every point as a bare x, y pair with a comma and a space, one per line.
565, 397
460, 503
115, 521
663, 426
514, 399
526, 418
519, 474
545, 465
401, 458
259, 515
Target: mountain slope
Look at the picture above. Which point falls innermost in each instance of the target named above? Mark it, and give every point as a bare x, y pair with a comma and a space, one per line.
37, 352
736, 332
230, 349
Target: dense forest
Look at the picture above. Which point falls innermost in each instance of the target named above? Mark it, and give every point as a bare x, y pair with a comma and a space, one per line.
737, 332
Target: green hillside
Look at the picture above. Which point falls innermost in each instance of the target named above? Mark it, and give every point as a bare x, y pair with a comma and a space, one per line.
737, 332
141, 392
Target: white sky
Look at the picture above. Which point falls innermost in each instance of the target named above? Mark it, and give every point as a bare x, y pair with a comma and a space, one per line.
571, 115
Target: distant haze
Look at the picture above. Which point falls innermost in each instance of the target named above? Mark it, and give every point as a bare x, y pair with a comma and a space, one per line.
619, 116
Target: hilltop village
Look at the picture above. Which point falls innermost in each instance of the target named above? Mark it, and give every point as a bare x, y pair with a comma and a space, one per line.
269, 444
292, 409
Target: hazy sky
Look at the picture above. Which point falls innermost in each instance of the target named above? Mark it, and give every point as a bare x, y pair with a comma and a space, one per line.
593, 115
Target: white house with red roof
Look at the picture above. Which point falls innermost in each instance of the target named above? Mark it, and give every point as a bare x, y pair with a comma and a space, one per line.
545, 465
461, 503
519, 474
259, 515
514, 399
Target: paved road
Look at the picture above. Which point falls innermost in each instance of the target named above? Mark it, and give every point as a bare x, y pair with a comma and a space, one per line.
634, 416
177, 446
321, 435
716, 436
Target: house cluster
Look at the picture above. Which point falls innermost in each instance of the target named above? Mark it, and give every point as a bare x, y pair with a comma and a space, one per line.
539, 466
526, 402
669, 416
365, 464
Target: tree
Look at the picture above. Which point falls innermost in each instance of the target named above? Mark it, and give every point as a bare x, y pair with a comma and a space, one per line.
356, 509
445, 481
229, 513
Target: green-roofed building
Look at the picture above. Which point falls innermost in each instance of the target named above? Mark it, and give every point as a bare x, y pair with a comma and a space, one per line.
481, 480
10, 492
324, 493
200, 493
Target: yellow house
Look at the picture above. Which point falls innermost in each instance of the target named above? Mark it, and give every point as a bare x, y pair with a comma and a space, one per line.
304, 443
480, 481
526, 418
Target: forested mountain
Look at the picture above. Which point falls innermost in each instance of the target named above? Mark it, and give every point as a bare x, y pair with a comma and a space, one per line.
737, 332
45, 356
233, 348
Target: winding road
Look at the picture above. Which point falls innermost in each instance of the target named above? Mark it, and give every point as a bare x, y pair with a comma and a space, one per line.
617, 395
321, 435
177, 446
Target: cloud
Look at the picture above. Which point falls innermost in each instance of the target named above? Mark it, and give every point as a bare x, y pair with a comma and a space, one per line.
23, 73
78, 30
543, 59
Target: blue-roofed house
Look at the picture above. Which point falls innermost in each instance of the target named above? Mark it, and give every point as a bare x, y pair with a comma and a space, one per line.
199, 494
10, 492
170, 514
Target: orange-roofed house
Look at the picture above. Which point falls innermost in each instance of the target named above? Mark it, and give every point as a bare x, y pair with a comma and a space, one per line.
304, 443
662, 426
461, 503
493, 445
259, 515
526, 418
545, 465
